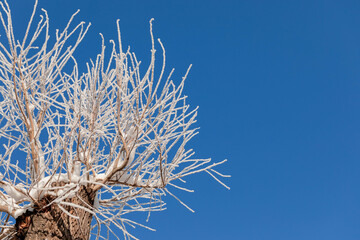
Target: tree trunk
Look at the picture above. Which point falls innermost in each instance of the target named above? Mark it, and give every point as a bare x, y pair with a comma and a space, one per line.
52, 223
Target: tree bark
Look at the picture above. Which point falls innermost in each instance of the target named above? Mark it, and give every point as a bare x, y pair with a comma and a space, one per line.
52, 223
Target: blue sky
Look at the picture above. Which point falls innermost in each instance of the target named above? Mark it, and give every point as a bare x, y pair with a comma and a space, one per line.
278, 86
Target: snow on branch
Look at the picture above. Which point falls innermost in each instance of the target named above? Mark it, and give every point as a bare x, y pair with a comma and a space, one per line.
114, 129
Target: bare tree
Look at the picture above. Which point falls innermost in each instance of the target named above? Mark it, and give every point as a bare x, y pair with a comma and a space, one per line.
81, 151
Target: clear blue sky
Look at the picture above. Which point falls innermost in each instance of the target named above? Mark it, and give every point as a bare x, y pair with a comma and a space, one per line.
278, 85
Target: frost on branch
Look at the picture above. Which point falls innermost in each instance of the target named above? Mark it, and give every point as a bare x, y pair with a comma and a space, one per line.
115, 131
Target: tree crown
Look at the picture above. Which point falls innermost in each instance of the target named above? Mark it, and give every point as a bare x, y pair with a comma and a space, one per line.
111, 129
